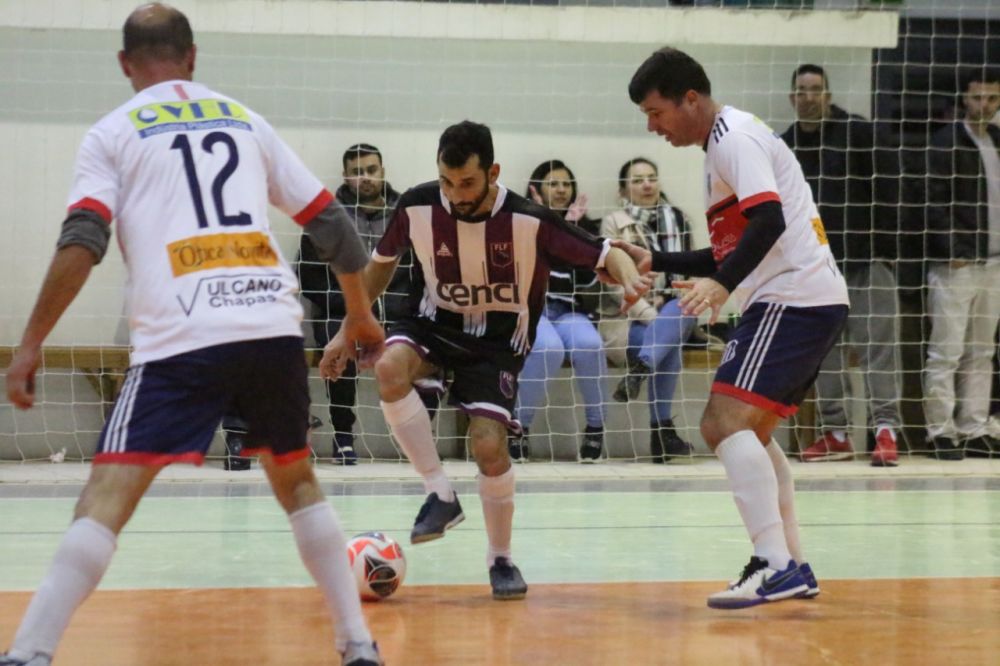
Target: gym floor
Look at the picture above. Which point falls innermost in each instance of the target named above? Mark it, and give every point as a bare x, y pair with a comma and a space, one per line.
618, 557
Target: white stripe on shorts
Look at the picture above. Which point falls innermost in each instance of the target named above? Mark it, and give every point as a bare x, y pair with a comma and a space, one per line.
122, 414
759, 346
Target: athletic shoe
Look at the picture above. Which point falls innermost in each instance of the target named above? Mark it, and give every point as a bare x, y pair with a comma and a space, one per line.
828, 448
630, 385
672, 445
234, 462
885, 453
360, 653
985, 446
759, 584
656, 445
944, 448
517, 446
506, 580
343, 449
434, 518
810, 578
38, 660
592, 446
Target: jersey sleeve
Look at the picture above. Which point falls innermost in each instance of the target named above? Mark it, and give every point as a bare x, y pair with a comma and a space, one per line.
291, 186
565, 244
743, 162
396, 239
95, 181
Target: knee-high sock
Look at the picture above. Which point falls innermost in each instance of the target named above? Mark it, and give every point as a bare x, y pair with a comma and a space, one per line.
78, 566
411, 425
323, 549
497, 496
786, 499
755, 489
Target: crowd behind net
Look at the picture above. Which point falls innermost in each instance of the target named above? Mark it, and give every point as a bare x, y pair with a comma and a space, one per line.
549, 78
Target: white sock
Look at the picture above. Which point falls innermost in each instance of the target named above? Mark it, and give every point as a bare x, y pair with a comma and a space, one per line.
323, 549
786, 499
879, 429
411, 425
755, 490
839, 435
77, 567
497, 496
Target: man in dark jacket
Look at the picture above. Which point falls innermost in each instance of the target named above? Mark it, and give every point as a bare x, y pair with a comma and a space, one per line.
963, 245
838, 156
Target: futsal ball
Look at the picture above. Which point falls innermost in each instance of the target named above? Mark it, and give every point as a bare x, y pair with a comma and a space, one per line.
378, 564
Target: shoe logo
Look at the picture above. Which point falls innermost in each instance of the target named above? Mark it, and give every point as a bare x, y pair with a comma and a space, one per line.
773, 583
443, 251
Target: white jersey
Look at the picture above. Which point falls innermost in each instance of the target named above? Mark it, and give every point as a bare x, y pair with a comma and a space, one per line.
188, 175
746, 164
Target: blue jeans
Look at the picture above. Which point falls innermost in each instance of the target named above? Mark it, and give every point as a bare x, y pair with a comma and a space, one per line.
560, 330
659, 345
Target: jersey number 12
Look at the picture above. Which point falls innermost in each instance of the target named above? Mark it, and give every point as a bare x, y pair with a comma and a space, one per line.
182, 144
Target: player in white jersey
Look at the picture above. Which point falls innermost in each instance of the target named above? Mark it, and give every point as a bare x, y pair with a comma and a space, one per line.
215, 321
766, 240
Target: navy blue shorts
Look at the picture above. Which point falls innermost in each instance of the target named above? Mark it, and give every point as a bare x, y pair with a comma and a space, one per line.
774, 355
484, 377
168, 410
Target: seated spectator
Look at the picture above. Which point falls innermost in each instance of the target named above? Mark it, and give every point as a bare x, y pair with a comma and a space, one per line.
837, 153
566, 327
650, 339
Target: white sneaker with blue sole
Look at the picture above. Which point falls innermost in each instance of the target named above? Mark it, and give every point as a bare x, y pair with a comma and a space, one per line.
759, 584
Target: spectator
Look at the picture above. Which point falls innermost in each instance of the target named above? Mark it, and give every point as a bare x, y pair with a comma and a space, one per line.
653, 334
837, 153
566, 327
369, 200
963, 220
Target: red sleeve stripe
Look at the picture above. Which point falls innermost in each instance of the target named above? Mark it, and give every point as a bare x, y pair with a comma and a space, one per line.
93, 205
760, 198
322, 200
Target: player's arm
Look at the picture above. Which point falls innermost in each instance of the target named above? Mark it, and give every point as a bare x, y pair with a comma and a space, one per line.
82, 244
378, 275
622, 269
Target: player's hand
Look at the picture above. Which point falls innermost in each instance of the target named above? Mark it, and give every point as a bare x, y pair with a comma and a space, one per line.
364, 338
336, 354
577, 209
636, 289
701, 295
21, 377
642, 257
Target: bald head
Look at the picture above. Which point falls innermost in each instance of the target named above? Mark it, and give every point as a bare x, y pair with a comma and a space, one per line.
157, 33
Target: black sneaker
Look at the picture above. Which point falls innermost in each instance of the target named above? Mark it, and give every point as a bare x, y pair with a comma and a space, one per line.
631, 383
434, 518
592, 446
656, 446
673, 445
359, 653
234, 462
982, 447
343, 449
944, 448
517, 446
506, 580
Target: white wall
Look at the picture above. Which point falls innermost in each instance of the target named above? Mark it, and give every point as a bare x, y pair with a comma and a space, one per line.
543, 99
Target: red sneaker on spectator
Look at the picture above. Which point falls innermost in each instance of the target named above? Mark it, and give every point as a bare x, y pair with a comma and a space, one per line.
885, 454
828, 448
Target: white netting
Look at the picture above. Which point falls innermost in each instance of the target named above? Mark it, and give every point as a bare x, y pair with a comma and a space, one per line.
549, 80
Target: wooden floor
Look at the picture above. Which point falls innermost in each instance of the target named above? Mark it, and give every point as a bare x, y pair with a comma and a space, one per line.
923, 621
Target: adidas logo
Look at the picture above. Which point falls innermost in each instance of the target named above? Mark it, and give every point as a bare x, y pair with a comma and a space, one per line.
443, 251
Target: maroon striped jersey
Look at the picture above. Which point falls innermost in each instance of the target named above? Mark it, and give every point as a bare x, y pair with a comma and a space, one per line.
486, 278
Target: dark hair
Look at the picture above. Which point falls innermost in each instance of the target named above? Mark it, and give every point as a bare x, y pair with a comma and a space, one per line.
544, 169
359, 150
460, 142
810, 69
671, 73
623, 172
163, 33
969, 75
